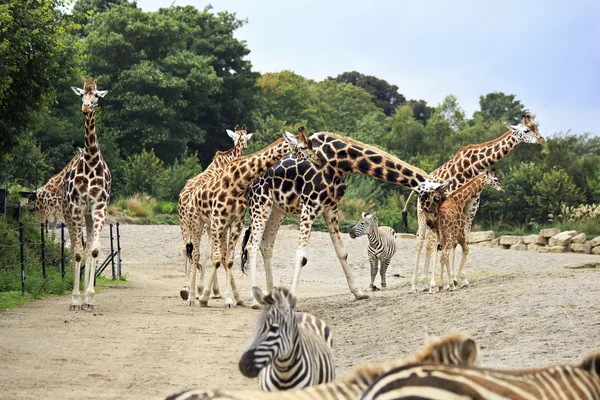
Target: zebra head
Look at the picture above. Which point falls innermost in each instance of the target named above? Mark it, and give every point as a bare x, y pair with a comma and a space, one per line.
274, 332
364, 226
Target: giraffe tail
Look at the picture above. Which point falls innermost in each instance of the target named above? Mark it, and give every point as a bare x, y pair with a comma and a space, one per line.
189, 248
405, 213
244, 250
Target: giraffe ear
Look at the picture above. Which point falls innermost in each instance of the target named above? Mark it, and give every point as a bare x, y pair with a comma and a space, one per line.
101, 93
78, 91
513, 127
232, 135
291, 139
248, 136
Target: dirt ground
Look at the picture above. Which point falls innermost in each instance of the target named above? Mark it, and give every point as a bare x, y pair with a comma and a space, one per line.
524, 309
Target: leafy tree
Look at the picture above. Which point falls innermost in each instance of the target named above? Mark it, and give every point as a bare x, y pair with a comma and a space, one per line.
555, 189
373, 128
144, 173
36, 52
450, 110
501, 107
407, 136
421, 111
176, 176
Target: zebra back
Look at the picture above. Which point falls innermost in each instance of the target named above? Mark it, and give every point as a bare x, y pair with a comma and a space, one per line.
317, 325
438, 381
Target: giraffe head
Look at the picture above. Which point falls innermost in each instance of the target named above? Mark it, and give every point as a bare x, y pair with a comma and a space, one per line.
526, 131
301, 147
364, 226
240, 137
432, 200
89, 95
491, 179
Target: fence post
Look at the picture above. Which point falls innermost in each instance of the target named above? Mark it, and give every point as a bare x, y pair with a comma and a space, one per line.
112, 251
62, 253
118, 251
43, 251
22, 242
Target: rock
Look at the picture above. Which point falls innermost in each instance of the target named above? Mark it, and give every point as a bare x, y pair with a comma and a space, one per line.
562, 239
406, 236
549, 232
520, 246
579, 238
487, 243
557, 249
505, 246
595, 241
596, 250
533, 246
476, 237
581, 247
543, 249
496, 242
529, 239
510, 240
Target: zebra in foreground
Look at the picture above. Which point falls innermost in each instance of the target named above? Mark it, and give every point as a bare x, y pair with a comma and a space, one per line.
444, 382
288, 350
382, 245
458, 349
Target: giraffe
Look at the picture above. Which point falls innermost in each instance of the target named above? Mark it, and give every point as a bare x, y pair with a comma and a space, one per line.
468, 162
222, 204
299, 189
48, 198
451, 225
188, 213
87, 187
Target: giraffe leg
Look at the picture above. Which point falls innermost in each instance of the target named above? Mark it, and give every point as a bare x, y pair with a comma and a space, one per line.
463, 261
374, 267
75, 232
234, 236
189, 293
260, 206
93, 244
383, 270
307, 219
268, 234
331, 220
444, 260
452, 265
433, 287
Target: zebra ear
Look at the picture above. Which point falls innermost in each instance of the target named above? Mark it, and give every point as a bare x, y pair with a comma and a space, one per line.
430, 338
468, 352
363, 214
259, 295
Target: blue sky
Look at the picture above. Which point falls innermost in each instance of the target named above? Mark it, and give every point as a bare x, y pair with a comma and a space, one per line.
545, 52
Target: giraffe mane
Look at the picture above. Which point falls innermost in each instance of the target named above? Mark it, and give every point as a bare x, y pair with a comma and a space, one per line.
484, 144
467, 185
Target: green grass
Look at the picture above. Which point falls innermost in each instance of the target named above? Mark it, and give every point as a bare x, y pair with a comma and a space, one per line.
13, 299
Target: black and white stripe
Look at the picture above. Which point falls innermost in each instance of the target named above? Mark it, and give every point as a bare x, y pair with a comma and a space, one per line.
437, 381
382, 244
288, 350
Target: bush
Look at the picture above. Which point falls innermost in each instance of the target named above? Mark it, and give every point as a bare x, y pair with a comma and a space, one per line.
177, 175
167, 207
144, 173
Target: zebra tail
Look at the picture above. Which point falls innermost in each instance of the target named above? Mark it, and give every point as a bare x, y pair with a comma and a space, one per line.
245, 251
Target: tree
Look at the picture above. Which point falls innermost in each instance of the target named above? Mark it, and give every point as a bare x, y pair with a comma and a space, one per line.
555, 189
500, 107
37, 51
421, 111
407, 135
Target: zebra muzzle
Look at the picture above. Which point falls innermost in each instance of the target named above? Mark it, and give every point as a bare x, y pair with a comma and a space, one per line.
247, 366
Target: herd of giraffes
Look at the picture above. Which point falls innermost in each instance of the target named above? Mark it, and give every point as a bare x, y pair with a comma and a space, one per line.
294, 176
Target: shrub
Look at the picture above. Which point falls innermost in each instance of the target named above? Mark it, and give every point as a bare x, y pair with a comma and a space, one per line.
144, 173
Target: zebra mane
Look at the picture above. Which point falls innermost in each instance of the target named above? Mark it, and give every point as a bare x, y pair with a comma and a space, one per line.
592, 363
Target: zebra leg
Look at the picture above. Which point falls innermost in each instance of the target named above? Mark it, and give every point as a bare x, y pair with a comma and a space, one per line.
374, 268
383, 270
330, 215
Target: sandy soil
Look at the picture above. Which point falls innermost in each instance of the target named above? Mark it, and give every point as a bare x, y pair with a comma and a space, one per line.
525, 309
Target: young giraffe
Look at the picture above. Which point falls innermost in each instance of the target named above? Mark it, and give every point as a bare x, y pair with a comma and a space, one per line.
451, 225
222, 205
48, 198
467, 163
187, 211
296, 188
86, 194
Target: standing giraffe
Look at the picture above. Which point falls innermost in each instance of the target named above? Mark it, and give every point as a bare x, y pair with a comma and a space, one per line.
86, 194
221, 203
295, 188
467, 163
48, 198
189, 213
451, 225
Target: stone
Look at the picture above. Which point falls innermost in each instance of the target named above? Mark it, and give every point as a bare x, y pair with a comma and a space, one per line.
476, 237
595, 241
505, 246
557, 249
544, 249
580, 238
533, 239
596, 250
496, 242
585, 248
533, 247
487, 243
520, 246
406, 236
562, 238
510, 240
549, 232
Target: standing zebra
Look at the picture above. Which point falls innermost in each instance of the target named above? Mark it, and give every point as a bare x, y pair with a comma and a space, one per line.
382, 244
437, 381
458, 349
288, 350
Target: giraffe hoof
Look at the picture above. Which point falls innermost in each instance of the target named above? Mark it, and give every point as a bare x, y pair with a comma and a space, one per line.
203, 303
434, 289
190, 303
257, 307
241, 303
184, 293
361, 296
74, 307
374, 288
228, 305
465, 284
88, 307
217, 296
455, 281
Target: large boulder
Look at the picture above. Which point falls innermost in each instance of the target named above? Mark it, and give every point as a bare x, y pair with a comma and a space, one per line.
585, 248
533, 247
557, 249
595, 241
508, 240
562, 238
477, 237
537, 239
580, 238
549, 232
519, 246
596, 250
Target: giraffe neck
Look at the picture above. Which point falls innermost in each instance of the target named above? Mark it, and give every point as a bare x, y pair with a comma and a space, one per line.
92, 151
471, 160
348, 156
254, 165
468, 191
222, 158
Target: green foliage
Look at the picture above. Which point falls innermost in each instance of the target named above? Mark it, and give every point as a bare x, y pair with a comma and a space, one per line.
177, 175
500, 107
144, 173
555, 189
138, 205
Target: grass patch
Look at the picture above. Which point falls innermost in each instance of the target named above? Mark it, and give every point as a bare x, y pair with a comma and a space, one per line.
13, 299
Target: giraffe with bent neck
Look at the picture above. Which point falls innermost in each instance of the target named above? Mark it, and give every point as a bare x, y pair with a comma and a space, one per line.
87, 187
293, 187
222, 204
188, 213
467, 163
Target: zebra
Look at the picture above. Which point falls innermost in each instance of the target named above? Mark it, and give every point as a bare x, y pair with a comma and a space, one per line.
382, 244
458, 348
437, 381
288, 350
